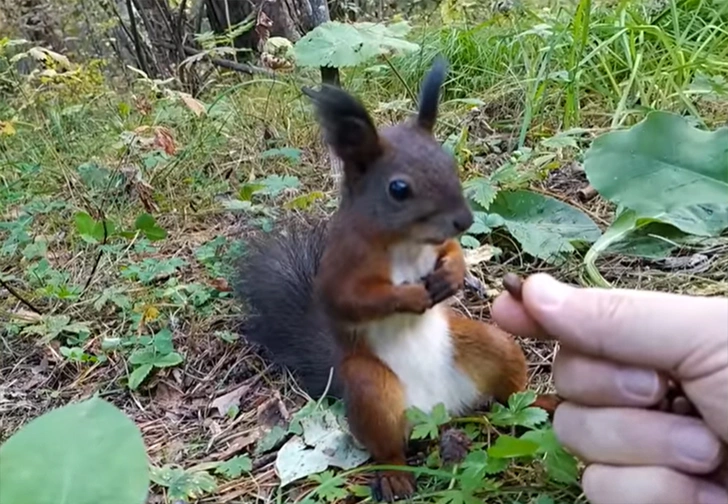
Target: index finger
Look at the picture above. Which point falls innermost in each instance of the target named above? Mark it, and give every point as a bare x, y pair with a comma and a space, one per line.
664, 331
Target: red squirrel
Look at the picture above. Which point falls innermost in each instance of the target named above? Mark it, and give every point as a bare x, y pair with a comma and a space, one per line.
363, 293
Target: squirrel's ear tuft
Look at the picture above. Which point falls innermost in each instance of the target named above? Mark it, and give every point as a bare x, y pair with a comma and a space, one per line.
430, 94
346, 125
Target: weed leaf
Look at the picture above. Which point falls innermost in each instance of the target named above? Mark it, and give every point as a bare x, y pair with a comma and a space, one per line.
49, 460
147, 225
338, 45
234, 467
660, 165
510, 447
139, 375
544, 226
183, 485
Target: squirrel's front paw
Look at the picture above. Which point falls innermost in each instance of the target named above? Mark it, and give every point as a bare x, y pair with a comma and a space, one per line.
444, 282
414, 298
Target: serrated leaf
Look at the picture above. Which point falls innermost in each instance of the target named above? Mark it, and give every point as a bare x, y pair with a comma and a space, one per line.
235, 467
139, 375
338, 45
162, 341
291, 154
544, 226
183, 485
481, 191
48, 460
168, 360
469, 242
142, 356
510, 447
560, 465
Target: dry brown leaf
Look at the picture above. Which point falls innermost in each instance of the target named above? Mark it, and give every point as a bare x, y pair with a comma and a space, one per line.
193, 104
482, 254
163, 139
223, 403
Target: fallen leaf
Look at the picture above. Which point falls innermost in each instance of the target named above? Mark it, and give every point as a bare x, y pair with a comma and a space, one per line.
7, 128
239, 444
163, 139
221, 285
479, 255
324, 443
273, 412
193, 104
223, 403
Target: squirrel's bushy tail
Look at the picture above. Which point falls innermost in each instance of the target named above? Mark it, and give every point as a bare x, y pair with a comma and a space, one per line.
274, 279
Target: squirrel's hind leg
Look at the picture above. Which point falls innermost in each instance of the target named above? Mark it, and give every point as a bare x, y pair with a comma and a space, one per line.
375, 406
494, 361
490, 356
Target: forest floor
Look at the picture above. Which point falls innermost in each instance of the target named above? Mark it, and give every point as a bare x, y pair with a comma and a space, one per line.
165, 289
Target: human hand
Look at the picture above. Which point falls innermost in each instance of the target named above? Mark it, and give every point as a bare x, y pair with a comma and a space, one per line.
617, 350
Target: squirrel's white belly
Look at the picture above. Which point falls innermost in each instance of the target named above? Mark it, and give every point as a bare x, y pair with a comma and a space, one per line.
418, 348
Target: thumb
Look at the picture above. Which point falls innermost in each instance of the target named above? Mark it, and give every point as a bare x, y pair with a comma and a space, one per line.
686, 336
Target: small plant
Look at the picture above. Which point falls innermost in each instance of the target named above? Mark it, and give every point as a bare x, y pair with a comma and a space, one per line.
157, 353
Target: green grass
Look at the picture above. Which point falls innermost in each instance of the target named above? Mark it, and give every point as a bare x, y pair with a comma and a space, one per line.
126, 308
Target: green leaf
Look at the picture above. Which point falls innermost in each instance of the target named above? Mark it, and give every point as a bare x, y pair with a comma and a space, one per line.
481, 191
91, 230
183, 485
168, 360
142, 356
162, 341
274, 185
336, 44
468, 241
147, 225
289, 153
545, 227
519, 411
510, 447
660, 165
139, 375
234, 467
560, 465
427, 426
49, 460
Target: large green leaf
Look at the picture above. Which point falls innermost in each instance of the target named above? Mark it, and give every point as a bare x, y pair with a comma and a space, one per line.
660, 171
545, 227
83, 453
338, 45
660, 165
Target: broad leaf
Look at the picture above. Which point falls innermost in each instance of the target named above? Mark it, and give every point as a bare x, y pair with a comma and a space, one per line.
83, 453
335, 44
147, 225
235, 467
545, 227
660, 165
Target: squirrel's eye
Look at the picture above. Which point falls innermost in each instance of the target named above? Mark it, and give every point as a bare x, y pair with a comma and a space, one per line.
399, 189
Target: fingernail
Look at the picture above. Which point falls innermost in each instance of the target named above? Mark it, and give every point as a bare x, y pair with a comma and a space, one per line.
696, 444
547, 292
711, 494
638, 382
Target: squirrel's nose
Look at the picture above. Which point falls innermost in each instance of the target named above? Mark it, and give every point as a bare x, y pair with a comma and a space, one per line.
463, 220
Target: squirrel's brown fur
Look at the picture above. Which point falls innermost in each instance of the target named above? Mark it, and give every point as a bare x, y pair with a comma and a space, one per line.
362, 294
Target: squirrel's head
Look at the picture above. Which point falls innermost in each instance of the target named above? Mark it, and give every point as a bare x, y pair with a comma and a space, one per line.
400, 176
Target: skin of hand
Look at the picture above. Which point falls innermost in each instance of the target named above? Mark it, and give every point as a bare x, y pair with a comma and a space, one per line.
617, 349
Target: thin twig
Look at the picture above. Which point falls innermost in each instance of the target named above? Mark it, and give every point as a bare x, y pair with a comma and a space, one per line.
232, 65
20, 298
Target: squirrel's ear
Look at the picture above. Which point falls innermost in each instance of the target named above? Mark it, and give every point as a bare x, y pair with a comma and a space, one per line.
346, 125
430, 95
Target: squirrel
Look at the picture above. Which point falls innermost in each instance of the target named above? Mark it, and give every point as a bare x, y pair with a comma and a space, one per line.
356, 304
